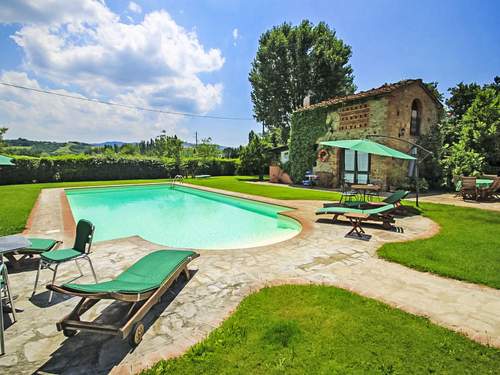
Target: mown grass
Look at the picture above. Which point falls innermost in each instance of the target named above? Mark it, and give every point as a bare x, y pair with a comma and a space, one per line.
16, 201
467, 247
244, 185
324, 330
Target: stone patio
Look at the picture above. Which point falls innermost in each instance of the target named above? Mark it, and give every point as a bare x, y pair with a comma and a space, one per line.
221, 279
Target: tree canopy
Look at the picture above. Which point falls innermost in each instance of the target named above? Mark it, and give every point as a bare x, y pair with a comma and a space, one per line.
293, 62
472, 131
255, 157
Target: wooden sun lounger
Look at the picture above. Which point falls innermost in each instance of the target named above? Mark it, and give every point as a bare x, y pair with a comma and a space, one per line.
141, 302
382, 213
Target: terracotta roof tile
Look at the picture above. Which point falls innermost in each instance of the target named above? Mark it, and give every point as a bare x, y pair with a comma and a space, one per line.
385, 89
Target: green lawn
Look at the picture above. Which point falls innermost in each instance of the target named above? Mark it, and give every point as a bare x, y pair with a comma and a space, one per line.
466, 248
16, 201
243, 185
324, 330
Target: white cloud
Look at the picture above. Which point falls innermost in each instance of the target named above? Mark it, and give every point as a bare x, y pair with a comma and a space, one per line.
54, 11
236, 36
85, 46
134, 7
48, 117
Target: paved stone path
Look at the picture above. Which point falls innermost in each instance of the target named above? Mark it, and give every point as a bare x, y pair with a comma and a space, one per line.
447, 198
221, 279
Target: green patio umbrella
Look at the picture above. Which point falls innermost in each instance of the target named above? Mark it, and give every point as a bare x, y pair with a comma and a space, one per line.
369, 147
4, 160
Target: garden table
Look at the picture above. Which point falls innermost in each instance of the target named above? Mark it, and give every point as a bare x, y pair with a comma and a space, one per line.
365, 188
356, 218
481, 183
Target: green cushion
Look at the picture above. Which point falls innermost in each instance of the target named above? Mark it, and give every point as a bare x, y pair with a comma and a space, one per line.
396, 196
342, 210
39, 245
58, 256
148, 273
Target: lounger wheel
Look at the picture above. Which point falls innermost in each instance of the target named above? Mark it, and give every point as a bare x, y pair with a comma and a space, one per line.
136, 334
69, 332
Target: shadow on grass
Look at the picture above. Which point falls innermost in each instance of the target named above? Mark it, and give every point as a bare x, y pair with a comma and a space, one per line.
88, 352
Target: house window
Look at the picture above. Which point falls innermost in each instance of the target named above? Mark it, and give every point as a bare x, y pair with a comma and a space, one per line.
356, 167
416, 115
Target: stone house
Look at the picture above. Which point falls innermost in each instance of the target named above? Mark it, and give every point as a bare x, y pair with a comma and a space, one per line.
403, 111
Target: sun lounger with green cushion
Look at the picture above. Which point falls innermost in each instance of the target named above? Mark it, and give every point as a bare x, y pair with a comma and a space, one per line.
381, 213
394, 198
142, 285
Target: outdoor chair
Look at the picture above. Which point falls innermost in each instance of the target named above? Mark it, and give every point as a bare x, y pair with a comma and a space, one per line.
38, 247
374, 194
80, 250
492, 191
348, 194
457, 183
142, 285
5, 301
468, 188
382, 213
395, 199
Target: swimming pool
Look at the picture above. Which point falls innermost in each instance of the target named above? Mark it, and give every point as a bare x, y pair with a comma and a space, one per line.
181, 217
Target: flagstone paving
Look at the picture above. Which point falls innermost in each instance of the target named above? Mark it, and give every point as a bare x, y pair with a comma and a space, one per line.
220, 280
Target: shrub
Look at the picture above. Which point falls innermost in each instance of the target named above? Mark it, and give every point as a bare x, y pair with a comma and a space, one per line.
101, 167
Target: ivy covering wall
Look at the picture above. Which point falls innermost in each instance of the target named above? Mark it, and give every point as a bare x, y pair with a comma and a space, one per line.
306, 128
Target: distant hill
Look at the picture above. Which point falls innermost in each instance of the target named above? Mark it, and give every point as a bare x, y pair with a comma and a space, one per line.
110, 143
22, 146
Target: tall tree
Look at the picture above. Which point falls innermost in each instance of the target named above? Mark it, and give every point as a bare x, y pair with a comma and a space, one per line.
461, 98
293, 62
2, 132
206, 149
254, 158
478, 145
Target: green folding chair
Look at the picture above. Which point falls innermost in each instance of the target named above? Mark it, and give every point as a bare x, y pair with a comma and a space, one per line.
80, 250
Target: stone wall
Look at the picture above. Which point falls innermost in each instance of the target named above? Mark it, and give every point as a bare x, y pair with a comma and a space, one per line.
389, 115
377, 120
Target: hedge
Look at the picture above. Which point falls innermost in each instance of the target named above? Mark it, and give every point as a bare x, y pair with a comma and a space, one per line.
306, 127
92, 168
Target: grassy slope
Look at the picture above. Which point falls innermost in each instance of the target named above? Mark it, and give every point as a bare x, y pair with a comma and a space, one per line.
324, 330
466, 248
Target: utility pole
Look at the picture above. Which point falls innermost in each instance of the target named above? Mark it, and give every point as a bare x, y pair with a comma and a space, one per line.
196, 139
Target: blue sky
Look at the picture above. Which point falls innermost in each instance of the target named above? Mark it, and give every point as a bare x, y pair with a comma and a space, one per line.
195, 56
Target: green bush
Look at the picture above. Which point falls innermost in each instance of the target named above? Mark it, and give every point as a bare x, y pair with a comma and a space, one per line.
94, 168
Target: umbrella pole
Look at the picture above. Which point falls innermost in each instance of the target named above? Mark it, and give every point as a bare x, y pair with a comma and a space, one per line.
417, 188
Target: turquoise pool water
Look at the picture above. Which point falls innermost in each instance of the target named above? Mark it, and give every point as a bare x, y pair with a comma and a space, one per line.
180, 217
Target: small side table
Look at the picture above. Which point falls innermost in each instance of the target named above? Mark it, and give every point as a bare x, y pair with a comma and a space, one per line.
356, 219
